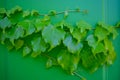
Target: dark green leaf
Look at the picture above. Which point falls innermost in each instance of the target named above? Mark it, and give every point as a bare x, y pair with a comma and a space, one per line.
18, 44
68, 61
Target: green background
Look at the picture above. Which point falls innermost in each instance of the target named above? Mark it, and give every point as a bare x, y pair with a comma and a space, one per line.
13, 66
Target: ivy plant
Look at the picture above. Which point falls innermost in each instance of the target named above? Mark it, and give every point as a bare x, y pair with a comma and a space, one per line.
72, 45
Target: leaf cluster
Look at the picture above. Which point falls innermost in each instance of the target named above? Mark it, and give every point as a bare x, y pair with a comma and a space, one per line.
63, 44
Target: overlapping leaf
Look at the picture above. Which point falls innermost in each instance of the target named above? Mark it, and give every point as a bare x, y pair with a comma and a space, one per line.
38, 46
52, 35
15, 33
72, 44
28, 27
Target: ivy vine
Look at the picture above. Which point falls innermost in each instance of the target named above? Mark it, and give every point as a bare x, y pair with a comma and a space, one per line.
63, 44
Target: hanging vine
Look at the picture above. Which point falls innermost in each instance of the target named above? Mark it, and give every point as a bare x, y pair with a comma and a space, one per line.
71, 45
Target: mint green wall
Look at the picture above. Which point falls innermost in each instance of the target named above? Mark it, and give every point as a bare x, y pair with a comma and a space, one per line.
14, 67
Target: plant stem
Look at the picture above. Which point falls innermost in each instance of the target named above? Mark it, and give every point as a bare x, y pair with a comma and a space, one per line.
78, 75
69, 11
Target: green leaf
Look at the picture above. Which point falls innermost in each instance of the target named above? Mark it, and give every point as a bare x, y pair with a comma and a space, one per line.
53, 13
89, 61
4, 23
72, 44
68, 61
26, 13
108, 45
111, 57
52, 35
101, 33
118, 24
65, 26
39, 25
92, 42
26, 50
78, 35
8, 44
49, 63
99, 48
27, 26
18, 44
65, 14
38, 46
2, 11
14, 10
83, 26
2, 37
113, 32
15, 33
109, 28
34, 13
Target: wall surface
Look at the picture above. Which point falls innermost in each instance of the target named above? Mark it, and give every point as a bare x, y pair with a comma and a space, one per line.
15, 67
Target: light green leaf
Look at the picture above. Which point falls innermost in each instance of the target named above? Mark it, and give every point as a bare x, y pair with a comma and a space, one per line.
98, 49
65, 26
38, 45
101, 33
4, 23
68, 61
108, 45
109, 28
26, 50
49, 63
65, 14
72, 44
26, 13
113, 32
34, 13
14, 10
39, 25
78, 35
83, 26
18, 44
52, 35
